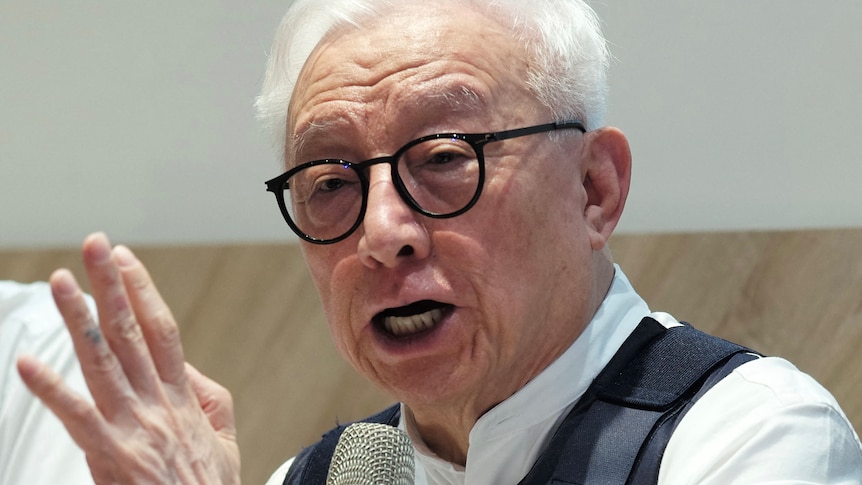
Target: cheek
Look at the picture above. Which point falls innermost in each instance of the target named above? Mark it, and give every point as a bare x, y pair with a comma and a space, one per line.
320, 266
497, 246
531, 211
533, 229
329, 271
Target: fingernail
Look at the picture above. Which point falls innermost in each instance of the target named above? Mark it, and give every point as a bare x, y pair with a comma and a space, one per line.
98, 246
124, 256
63, 283
28, 366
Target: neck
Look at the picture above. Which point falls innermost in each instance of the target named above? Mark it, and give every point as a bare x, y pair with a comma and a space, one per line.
447, 434
445, 427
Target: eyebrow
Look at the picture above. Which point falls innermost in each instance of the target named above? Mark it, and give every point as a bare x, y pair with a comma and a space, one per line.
461, 99
311, 130
448, 99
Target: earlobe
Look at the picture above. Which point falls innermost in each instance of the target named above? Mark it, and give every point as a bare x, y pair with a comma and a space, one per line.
606, 174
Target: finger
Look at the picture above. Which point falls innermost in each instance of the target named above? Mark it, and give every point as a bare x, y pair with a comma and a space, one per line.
101, 369
116, 316
156, 321
84, 423
215, 401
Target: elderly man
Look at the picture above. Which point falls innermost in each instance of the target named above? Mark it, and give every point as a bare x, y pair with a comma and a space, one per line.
455, 189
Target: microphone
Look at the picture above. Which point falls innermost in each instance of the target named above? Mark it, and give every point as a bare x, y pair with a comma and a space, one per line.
371, 454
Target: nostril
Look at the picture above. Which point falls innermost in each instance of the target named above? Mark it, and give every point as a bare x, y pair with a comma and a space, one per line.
406, 251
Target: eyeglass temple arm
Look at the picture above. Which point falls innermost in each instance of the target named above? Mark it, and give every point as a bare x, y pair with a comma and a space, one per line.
557, 125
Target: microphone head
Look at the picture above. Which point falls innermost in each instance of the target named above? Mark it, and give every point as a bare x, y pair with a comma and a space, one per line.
371, 454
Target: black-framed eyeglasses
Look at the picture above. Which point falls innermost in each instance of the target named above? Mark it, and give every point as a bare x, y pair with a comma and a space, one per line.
438, 176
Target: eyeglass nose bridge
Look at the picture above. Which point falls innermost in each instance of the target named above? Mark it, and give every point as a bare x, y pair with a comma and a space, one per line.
363, 169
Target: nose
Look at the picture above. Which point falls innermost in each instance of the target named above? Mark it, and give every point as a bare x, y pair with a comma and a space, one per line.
392, 232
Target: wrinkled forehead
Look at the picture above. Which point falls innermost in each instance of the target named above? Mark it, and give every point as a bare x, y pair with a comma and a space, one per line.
308, 28
421, 53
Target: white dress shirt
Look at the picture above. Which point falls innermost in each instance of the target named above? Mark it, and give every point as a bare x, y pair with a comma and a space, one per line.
35, 448
765, 422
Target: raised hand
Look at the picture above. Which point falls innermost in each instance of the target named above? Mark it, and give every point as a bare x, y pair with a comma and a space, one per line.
154, 419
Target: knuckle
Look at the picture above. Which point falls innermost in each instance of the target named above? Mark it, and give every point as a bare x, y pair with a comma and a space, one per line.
138, 282
104, 279
83, 410
79, 314
104, 362
165, 330
126, 328
223, 397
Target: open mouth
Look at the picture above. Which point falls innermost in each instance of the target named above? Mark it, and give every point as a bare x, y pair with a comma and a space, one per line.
412, 319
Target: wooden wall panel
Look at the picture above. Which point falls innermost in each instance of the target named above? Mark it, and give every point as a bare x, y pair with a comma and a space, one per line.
250, 318
796, 295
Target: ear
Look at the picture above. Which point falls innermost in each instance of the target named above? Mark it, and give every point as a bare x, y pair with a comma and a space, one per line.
606, 174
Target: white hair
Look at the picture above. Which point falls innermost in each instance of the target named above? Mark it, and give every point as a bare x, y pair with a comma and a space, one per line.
568, 71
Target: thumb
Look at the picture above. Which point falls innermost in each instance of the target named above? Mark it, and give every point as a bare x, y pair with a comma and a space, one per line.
215, 401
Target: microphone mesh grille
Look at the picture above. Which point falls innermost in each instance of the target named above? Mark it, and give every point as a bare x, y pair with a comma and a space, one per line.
370, 453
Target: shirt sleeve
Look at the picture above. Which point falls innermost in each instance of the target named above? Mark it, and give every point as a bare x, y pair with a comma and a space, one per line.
766, 422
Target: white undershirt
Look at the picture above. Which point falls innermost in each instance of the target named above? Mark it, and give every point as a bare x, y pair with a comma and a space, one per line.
35, 448
765, 422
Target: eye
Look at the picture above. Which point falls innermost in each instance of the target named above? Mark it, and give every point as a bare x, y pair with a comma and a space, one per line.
437, 154
329, 185
322, 182
441, 158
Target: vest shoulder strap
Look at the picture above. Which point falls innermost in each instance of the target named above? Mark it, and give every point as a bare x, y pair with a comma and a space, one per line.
618, 430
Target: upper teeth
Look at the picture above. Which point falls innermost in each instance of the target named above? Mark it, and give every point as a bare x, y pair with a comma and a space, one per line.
412, 324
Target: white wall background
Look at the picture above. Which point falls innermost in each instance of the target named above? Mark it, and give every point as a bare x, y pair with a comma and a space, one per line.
136, 117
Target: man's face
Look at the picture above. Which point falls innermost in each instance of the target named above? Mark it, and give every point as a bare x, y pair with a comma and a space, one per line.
505, 287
